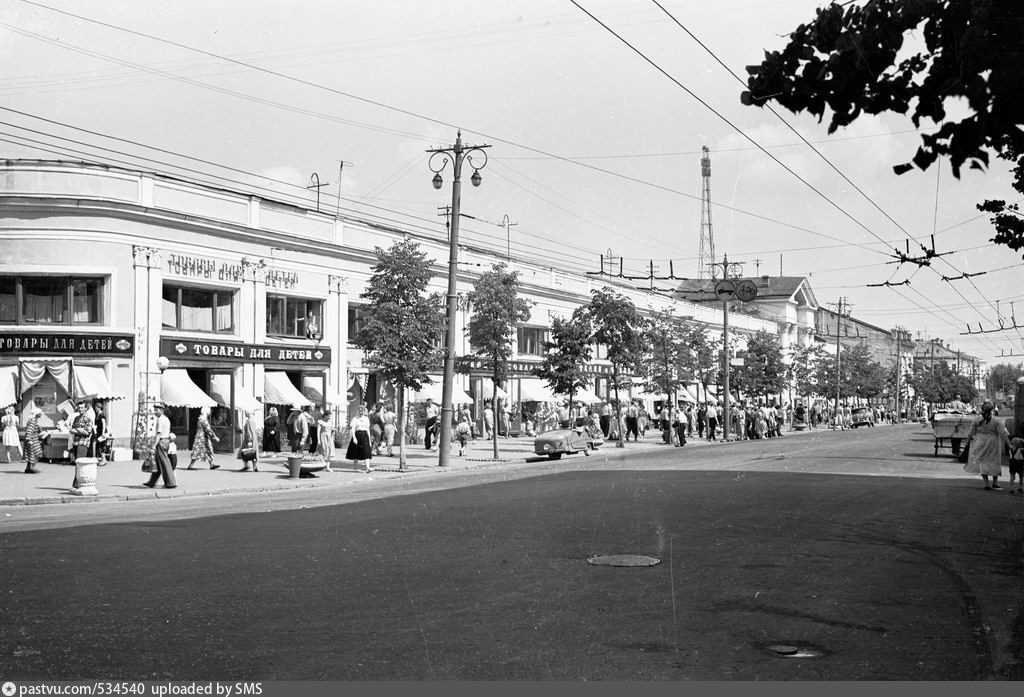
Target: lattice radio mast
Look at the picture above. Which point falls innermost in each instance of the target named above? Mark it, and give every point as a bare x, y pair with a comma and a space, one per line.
706, 259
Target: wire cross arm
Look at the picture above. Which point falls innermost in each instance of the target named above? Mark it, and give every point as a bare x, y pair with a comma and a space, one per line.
904, 282
963, 276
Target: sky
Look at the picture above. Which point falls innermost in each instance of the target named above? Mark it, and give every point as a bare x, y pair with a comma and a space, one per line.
595, 112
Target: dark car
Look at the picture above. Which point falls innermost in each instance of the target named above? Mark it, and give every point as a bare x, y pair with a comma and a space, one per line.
862, 416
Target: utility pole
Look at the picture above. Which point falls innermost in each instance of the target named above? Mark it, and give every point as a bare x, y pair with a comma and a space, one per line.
839, 328
733, 270
507, 223
899, 369
341, 166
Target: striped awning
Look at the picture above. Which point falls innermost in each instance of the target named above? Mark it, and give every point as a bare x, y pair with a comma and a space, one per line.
178, 390
278, 389
8, 385
91, 382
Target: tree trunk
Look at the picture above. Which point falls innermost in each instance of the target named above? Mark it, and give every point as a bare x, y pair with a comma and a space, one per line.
618, 407
497, 410
402, 417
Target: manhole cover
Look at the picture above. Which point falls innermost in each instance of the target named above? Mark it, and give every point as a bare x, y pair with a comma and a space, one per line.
784, 649
794, 651
623, 560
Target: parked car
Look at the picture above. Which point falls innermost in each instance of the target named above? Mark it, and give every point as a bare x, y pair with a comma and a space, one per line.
862, 416
565, 441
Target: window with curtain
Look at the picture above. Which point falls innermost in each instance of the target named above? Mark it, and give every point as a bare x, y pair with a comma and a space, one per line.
531, 340
189, 308
51, 300
288, 316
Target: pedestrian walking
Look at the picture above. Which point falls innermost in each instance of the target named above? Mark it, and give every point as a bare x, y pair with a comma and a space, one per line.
325, 439
390, 419
488, 420
712, 416
33, 448
202, 442
12, 443
247, 452
81, 437
160, 451
272, 432
679, 424
1017, 464
988, 443
430, 427
101, 436
359, 449
376, 428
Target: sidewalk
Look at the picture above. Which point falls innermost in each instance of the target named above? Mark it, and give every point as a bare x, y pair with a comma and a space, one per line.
124, 480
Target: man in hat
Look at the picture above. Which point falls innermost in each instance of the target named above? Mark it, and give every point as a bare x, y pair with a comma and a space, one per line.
161, 456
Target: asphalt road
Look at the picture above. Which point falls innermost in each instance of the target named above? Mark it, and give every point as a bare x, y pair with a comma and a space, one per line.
861, 552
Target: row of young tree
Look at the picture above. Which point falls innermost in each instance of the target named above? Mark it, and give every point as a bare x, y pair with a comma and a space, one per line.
403, 341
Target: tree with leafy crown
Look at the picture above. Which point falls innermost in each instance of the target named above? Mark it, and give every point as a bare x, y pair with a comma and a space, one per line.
404, 329
497, 312
567, 353
617, 325
844, 62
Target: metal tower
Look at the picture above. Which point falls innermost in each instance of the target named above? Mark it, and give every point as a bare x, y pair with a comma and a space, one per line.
707, 237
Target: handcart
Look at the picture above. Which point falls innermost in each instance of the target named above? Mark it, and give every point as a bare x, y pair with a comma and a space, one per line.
950, 426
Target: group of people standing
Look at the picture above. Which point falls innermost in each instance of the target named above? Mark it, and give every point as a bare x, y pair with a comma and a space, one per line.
87, 427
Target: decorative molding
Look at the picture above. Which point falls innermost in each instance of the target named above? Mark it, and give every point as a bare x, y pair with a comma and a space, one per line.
338, 284
147, 256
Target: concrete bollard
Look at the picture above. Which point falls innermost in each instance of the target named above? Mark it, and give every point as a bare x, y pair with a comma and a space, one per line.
85, 473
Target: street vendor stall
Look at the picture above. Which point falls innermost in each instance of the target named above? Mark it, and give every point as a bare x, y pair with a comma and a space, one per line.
951, 428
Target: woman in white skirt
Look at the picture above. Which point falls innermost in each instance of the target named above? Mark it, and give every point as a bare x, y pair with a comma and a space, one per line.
359, 448
12, 442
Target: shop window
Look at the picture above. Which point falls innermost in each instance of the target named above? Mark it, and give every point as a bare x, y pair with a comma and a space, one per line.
298, 317
531, 340
50, 300
188, 308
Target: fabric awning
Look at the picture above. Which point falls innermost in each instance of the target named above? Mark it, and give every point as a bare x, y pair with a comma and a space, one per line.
586, 396
178, 390
32, 371
312, 388
8, 385
278, 389
535, 390
435, 390
91, 381
487, 390
246, 402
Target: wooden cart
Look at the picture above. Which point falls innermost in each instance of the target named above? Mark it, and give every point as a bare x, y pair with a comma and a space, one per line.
950, 426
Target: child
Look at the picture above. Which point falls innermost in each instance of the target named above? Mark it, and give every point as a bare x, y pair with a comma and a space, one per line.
1017, 463
172, 453
463, 432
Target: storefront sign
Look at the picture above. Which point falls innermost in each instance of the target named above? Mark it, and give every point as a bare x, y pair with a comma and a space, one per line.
482, 366
200, 267
38, 344
234, 352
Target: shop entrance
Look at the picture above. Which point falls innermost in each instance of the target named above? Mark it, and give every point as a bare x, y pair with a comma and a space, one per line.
219, 385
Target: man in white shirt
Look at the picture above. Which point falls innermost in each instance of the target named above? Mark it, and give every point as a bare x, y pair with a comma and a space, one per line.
712, 417
432, 413
161, 458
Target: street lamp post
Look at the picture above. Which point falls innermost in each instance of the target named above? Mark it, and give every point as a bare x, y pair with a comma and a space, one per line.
456, 153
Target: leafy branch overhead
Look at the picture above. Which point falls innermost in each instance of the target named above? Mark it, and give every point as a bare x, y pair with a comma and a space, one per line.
856, 59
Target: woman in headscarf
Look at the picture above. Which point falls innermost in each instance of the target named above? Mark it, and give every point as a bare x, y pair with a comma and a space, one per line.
271, 432
202, 444
33, 448
989, 443
248, 452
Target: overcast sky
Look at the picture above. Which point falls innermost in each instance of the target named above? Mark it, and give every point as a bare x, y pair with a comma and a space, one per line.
593, 147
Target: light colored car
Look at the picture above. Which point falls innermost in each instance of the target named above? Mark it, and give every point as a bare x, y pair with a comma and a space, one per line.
862, 416
565, 441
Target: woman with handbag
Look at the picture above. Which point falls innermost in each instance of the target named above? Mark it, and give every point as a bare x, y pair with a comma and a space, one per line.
271, 434
247, 453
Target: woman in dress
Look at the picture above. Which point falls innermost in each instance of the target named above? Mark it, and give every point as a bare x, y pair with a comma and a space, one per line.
202, 444
989, 443
33, 448
359, 448
271, 432
325, 438
250, 436
12, 442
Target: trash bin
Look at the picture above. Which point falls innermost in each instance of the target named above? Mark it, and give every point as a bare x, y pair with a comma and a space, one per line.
294, 466
85, 473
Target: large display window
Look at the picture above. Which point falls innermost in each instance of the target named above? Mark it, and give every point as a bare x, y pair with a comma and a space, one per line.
294, 317
191, 308
51, 300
